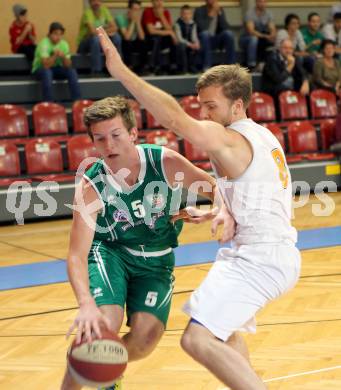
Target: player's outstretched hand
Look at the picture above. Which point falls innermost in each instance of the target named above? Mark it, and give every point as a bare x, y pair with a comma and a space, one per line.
195, 215
112, 56
89, 322
229, 225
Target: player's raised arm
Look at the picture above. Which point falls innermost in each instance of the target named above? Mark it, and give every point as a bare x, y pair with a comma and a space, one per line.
161, 105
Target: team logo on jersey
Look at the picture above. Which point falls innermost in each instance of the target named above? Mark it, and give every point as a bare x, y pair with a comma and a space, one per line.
156, 200
97, 292
120, 216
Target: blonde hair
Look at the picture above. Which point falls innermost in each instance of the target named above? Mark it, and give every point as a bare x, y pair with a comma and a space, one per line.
235, 81
109, 108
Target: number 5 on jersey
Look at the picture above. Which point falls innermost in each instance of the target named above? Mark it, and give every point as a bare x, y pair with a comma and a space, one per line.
151, 298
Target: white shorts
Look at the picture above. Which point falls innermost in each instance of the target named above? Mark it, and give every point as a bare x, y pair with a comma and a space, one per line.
240, 282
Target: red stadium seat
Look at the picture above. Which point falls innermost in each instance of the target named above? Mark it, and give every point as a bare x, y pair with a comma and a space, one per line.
45, 157
191, 105
277, 132
292, 106
78, 109
197, 156
9, 164
80, 147
323, 104
9, 159
163, 138
303, 139
49, 118
262, 107
13, 121
327, 130
135, 106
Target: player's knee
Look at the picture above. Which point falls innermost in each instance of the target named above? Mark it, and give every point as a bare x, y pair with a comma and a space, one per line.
190, 344
144, 342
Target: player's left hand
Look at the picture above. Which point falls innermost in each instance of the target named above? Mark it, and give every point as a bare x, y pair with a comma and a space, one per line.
195, 215
112, 56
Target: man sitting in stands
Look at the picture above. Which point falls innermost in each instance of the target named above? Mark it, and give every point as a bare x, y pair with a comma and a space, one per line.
282, 72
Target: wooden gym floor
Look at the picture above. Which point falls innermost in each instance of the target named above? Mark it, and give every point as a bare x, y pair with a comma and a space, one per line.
297, 346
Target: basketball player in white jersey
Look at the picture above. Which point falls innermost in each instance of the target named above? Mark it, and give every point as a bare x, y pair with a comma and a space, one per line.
255, 183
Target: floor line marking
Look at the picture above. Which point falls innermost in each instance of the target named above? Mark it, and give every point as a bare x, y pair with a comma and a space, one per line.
302, 374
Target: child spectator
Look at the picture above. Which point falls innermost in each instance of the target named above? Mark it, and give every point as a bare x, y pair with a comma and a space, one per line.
52, 60
22, 33
186, 32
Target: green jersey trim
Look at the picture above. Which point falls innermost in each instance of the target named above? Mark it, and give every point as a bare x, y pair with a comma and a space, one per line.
140, 178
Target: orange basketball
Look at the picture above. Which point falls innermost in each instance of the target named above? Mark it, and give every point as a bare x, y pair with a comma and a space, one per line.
100, 363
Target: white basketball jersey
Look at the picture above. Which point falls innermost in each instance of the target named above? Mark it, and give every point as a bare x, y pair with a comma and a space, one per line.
260, 200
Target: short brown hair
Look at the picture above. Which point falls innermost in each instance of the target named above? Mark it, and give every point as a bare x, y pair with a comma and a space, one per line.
109, 108
234, 79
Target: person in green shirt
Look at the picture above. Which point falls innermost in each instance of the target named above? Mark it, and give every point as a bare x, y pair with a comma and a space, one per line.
52, 60
126, 222
312, 35
130, 27
94, 16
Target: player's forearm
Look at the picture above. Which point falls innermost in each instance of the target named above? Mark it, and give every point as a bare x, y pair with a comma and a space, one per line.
162, 106
78, 275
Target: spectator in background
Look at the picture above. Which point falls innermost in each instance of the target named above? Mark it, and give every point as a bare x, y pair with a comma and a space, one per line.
334, 9
22, 33
332, 31
213, 30
312, 35
327, 70
157, 23
94, 16
186, 33
130, 27
292, 32
259, 34
283, 72
52, 60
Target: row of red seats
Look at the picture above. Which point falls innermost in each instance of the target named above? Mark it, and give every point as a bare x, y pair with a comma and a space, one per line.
50, 119
44, 159
293, 106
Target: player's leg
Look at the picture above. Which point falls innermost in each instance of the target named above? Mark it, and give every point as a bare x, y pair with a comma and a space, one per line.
148, 302
227, 364
237, 342
145, 332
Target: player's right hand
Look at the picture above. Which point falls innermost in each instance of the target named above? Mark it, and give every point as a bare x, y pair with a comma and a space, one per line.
88, 322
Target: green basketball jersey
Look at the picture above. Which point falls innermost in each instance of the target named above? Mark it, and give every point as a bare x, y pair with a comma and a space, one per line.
138, 218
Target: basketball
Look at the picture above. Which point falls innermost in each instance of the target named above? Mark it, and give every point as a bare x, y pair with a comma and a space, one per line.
100, 363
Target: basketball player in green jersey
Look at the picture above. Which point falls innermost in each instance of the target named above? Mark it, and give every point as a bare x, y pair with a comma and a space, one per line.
122, 235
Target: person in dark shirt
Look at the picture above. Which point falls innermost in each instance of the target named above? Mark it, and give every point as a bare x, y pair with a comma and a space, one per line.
214, 32
186, 32
283, 72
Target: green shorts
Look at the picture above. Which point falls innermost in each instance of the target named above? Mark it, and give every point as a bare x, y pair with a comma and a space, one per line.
119, 276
